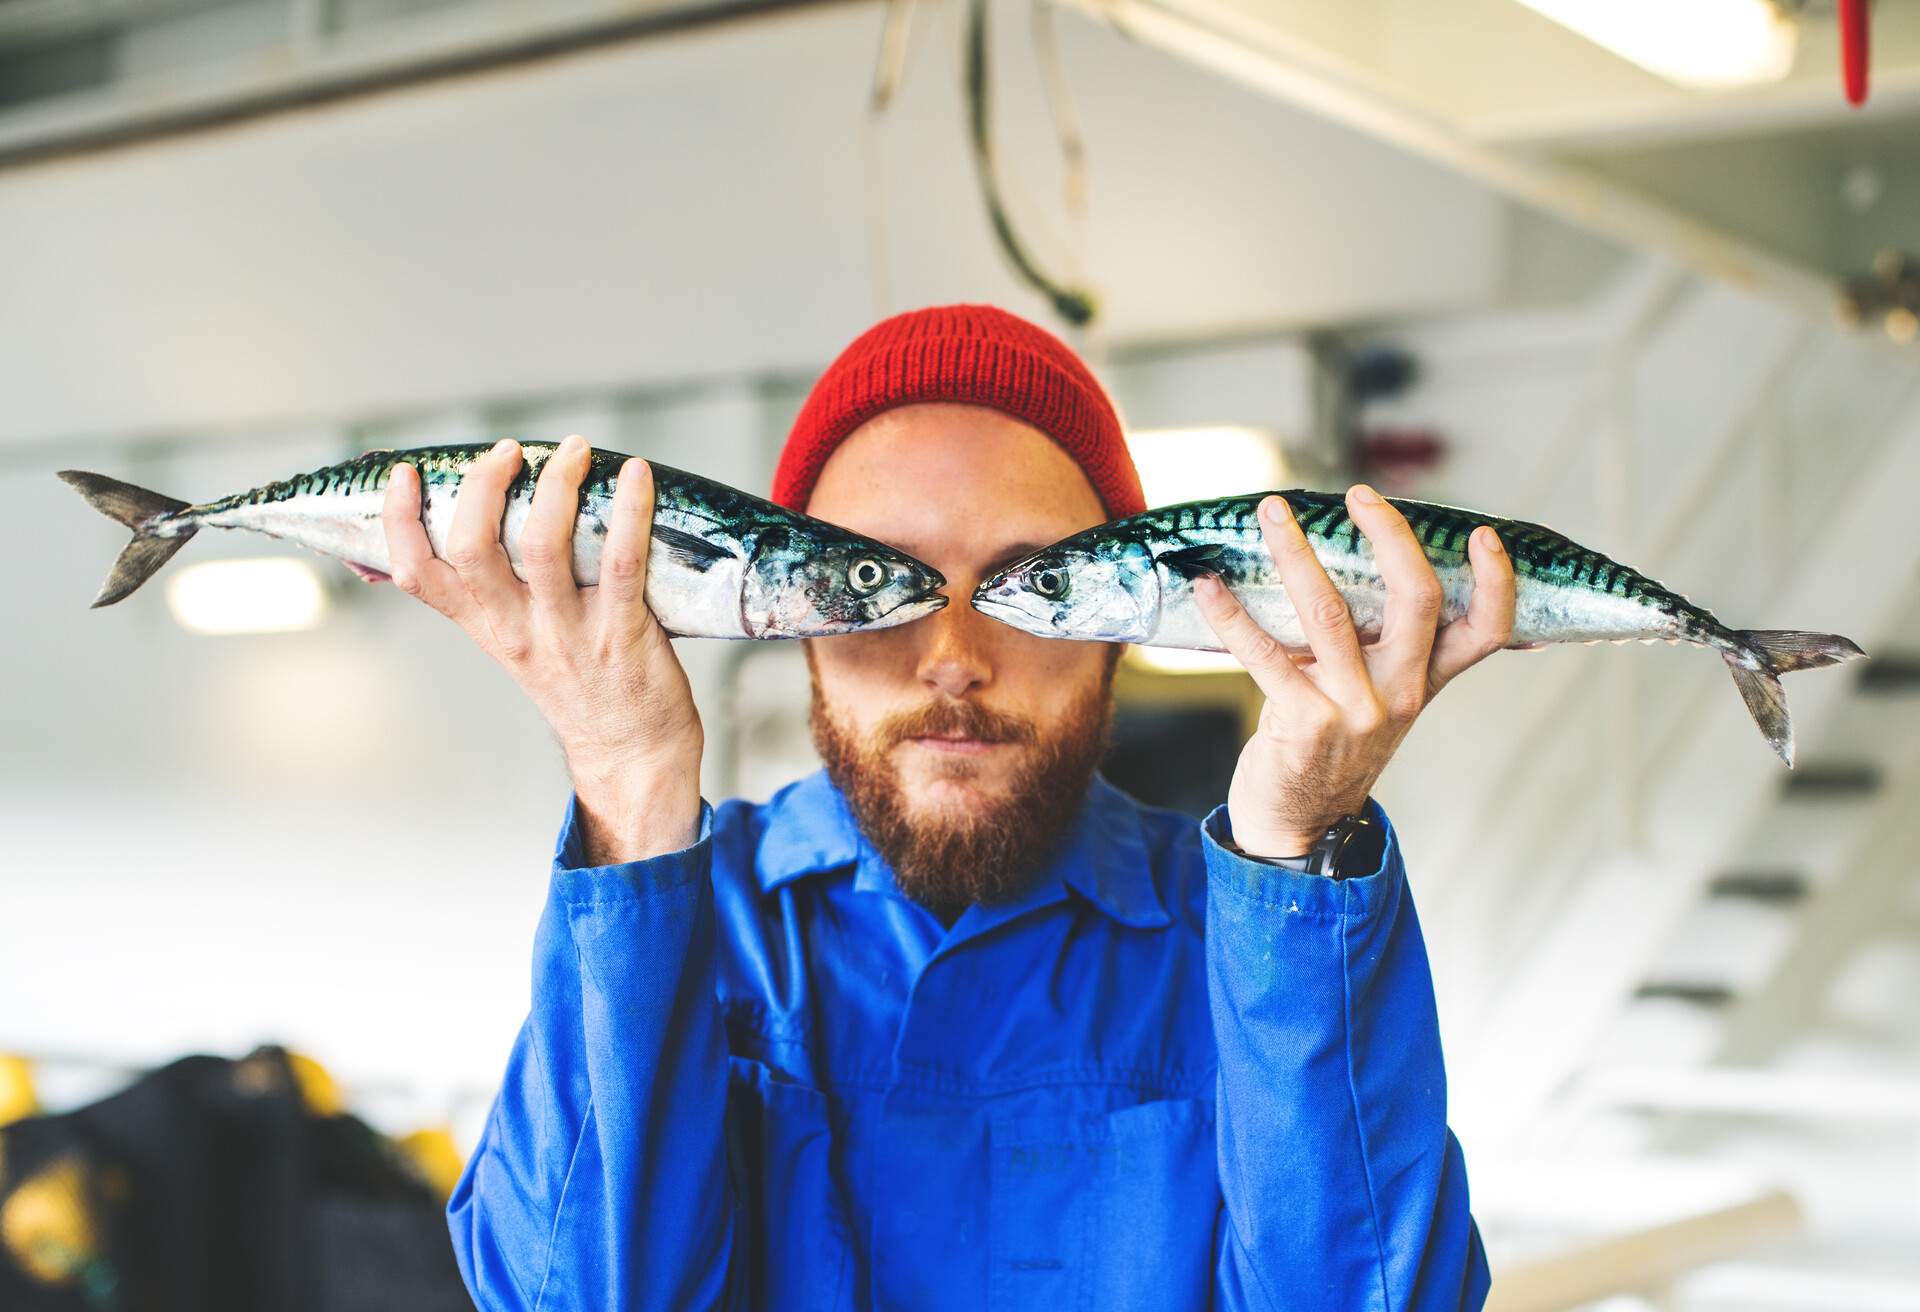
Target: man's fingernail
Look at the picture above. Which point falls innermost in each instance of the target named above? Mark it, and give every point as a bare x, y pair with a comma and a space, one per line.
1275, 510
1206, 587
1493, 541
503, 445
572, 442
1365, 495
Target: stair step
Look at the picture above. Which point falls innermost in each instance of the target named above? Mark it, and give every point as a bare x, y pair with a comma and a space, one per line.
1891, 675
1774, 887
1836, 781
1699, 993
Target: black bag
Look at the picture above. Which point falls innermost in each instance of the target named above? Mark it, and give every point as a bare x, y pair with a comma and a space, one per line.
209, 1186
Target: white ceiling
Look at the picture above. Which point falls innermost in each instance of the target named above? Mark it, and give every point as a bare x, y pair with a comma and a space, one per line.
686, 206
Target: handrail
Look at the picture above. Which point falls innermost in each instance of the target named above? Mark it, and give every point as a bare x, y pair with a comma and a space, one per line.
1522, 807
1746, 429
1653, 308
1733, 440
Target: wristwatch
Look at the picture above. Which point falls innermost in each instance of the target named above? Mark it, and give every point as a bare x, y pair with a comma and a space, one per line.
1351, 847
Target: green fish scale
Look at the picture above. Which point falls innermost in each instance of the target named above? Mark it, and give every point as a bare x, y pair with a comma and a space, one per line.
442, 466
1536, 551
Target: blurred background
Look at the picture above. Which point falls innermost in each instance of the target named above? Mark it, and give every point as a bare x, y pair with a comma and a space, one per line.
1644, 272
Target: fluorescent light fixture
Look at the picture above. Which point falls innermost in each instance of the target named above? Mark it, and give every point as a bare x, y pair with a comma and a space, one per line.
1192, 464
270, 594
1178, 660
1703, 44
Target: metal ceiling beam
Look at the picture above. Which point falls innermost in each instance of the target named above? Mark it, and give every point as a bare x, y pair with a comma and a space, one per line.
305, 71
1268, 60
37, 22
1614, 126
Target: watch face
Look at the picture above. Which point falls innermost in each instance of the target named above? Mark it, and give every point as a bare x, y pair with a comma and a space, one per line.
1346, 845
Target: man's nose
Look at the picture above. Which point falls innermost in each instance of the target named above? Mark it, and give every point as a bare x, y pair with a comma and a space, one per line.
956, 657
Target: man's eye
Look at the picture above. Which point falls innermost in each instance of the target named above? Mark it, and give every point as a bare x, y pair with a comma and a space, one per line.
1050, 583
865, 575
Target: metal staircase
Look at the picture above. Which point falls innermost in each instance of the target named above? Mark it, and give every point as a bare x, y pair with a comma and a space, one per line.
1639, 918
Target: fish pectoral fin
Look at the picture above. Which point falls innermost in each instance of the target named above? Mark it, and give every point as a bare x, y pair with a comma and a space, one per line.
1195, 562
689, 549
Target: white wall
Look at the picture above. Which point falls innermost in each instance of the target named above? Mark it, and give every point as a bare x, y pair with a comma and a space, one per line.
335, 839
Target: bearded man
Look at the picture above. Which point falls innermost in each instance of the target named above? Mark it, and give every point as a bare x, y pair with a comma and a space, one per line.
954, 1023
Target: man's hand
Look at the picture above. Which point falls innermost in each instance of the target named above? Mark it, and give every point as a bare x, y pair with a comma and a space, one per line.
594, 660
1329, 727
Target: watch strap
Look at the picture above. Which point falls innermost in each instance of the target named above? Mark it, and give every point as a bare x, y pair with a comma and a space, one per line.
1350, 847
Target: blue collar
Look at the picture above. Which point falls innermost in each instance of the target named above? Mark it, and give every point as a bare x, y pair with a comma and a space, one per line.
810, 830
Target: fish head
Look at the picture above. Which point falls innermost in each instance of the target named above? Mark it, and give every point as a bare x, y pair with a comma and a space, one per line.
1100, 591
802, 583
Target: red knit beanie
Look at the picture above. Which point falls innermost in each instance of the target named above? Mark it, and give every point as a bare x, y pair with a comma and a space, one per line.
973, 355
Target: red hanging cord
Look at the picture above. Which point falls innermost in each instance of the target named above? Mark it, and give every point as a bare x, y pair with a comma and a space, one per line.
1853, 49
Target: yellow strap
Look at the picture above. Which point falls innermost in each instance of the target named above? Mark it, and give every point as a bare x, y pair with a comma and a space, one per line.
17, 1100
318, 1092
45, 1224
436, 1159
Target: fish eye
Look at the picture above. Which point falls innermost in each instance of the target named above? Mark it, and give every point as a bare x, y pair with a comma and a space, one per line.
1050, 583
865, 575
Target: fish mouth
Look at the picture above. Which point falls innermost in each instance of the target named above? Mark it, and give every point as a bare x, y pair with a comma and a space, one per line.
1009, 613
908, 611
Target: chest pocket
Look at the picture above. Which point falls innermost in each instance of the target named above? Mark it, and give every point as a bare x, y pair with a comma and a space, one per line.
779, 1157
1104, 1211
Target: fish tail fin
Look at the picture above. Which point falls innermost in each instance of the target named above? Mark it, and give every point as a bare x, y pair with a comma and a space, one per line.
1787, 650
145, 513
1757, 659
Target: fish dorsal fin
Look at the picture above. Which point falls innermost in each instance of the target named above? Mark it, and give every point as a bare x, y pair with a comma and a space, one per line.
1195, 562
689, 549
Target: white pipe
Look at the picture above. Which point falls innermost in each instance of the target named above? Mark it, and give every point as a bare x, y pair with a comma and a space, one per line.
1753, 1286
1727, 1092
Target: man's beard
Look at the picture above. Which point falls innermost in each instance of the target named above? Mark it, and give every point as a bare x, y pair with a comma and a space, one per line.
993, 851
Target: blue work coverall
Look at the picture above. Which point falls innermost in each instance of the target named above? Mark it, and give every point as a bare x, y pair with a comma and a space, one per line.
755, 1075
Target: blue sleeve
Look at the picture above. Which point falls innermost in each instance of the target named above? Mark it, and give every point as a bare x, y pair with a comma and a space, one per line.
600, 1181
1343, 1186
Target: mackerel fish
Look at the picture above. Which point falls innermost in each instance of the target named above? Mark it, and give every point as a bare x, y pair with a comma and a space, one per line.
1131, 580
722, 564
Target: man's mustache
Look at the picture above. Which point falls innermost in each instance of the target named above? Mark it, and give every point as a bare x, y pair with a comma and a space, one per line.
954, 719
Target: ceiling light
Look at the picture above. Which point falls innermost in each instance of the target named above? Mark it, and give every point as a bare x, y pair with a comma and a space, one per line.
1179, 660
270, 594
1192, 464
1704, 44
